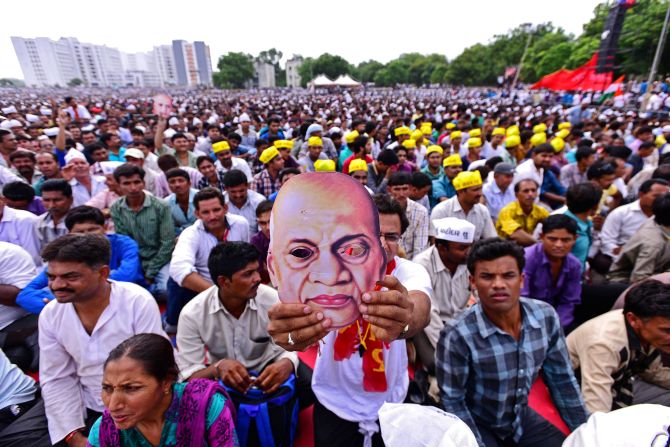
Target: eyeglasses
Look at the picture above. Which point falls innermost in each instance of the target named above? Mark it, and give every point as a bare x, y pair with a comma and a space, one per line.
390, 237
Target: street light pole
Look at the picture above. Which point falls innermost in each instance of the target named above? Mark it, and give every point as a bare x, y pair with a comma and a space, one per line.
657, 60
527, 28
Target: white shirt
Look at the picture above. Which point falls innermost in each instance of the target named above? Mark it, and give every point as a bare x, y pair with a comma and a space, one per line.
238, 164
620, 225
527, 170
638, 425
248, 210
80, 193
478, 216
81, 111
7, 176
195, 244
338, 385
71, 360
19, 227
16, 269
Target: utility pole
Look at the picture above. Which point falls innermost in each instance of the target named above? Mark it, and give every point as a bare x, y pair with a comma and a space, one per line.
528, 28
657, 60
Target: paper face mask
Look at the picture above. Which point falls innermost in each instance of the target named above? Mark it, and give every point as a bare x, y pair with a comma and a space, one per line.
325, 249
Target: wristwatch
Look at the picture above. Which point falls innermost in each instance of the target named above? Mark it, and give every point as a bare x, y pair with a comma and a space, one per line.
404, 331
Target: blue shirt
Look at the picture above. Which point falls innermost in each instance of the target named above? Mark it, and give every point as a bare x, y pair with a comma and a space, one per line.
496, 199
442, 187
551, 184
120, 157
15, 387
584, 238
124, 264
181, 221
485, 375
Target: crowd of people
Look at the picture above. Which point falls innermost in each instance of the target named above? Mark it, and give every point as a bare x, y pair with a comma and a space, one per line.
527, 239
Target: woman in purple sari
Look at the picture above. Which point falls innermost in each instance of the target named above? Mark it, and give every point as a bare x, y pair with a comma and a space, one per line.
145, 407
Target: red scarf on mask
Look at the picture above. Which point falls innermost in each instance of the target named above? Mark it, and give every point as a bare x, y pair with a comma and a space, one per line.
358, 337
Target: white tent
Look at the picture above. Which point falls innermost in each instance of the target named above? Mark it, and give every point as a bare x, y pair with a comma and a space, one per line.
321, 81
347, 81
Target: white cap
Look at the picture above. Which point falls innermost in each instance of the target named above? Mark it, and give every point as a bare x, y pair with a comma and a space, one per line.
169, 133
141, 128
32, 118
244, 118
108, 167
666, 129
173, 121
45, 111
51, 131
88, 127
8, 110
134, 153
476, 164
72, 154
454, 229
196, 121
8, 124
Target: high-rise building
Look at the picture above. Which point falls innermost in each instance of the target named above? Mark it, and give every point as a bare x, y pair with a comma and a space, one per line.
292, 76
46, 62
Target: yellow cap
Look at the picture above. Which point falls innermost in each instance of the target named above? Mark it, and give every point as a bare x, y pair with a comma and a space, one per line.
456, 134
467, 179
417, 135
351, 136
409, 143
660, 141
563, 133
498, 131
426, 128
358, 165
475, 133
564, 125
220, 146
540, 128
452, 160
268, 155
315, 141
450, 126
434, 148
558, 144
512, 130
538, 138
402, 130
283, 144
324, 166
512, 141
474, 142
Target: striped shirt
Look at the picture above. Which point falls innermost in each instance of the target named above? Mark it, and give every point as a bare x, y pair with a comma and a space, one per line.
415, 238
151, 227
485, 375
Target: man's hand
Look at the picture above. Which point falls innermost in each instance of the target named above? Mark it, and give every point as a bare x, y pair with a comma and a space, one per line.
388, 312
67, 172
234, 374
598, 222
274, 375
305, 325
78, 440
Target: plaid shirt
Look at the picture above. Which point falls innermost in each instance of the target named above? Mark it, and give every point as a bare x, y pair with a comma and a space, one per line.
204, 181
264, 184
415, 238
485, 375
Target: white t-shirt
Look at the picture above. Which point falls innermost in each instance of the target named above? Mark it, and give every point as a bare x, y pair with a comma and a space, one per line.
339, 385
16, 269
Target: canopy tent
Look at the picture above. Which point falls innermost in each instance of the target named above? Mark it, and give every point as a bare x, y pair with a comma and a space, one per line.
581, 78
347, 81
321, 81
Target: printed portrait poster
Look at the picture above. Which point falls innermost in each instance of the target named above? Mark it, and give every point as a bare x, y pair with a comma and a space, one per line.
325, 249
162, 105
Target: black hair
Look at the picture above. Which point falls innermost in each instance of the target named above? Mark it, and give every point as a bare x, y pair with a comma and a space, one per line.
213, 126
68, 99
494, 248
83, 213
559, 222
544, 148
584, 152
661, 209
148, 142
53, 156
166, 162
128, 170
22, 154
421, 180
136, 131
154, 352
18, 191
207, 194
91, 148
492, 162
228, 258
4, 132
647, 145
234, 136
359, 143
234, 177
203, 158
517, 185
600, 168
286, 171
105, 137
388, 157
177, 136
91, 249
646, 186
273, 119
585, 143
177, 172
264, 207
57, 184
647, 299
582, 197
643, 129
662, 172
400, 178
388, 205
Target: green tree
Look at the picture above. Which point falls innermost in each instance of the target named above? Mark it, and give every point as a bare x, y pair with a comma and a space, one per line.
396, 72
306, 71
235, 69
472, 67
75, 82
366, 71
331, 66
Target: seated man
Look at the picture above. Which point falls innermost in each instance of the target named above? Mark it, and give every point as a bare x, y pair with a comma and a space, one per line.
488, 361
415, 238
517, 220
228, 324
498, 193
261, 240
181, 199
620, 355
420, 188
443, 187
18, 328
189, 272
57, 197
19, 227
21, 196
90, 316
648, 251
552, 274
124, 262
242, 201
22, 419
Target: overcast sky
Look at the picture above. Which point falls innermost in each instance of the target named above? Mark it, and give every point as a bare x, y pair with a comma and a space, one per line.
358, 30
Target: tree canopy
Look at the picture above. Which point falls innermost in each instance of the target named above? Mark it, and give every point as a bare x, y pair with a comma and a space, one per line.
235, 69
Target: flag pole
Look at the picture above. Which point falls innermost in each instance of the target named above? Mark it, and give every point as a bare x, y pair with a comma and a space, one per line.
657, 60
